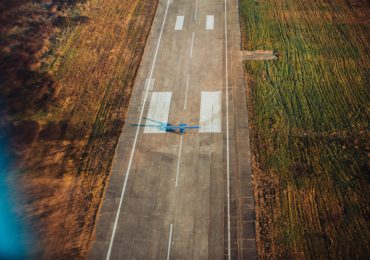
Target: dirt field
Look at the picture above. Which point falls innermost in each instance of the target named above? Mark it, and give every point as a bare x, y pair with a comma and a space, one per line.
66, 102
309, 115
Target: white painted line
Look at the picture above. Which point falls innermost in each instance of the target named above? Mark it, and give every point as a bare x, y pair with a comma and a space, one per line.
191, 47
196, 10
186, 93
159, 110
210, 22
179, 23
169, 243
210, 112
227, 136
136, 136
178, 162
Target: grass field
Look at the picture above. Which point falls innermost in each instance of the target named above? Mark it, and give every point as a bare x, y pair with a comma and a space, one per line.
309, 115
64, 149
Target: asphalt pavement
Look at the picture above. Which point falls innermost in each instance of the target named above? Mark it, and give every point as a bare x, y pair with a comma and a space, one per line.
188, 196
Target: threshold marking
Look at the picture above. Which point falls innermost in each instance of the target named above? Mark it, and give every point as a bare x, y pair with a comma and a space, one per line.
210, 112
179, 23
169, 242
210, 22
136, 136
159, 110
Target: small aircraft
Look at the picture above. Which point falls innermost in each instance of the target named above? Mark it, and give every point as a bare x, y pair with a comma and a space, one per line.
167, 127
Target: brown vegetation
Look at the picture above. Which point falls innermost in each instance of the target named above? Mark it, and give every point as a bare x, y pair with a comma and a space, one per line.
68, 69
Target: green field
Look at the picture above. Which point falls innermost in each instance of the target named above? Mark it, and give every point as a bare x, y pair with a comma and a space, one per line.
309, 114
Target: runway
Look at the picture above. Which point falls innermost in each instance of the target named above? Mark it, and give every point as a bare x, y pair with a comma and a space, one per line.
189, 196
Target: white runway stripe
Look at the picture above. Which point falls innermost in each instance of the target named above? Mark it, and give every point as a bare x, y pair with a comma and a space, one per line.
210, 22
210, 112
179, 23
159, 110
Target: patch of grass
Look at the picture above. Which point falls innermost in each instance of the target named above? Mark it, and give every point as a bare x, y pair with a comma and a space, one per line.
310, 119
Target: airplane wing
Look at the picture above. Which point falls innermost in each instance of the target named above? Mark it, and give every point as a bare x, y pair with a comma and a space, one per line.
145, 125
154, 121
174, 127
192, 126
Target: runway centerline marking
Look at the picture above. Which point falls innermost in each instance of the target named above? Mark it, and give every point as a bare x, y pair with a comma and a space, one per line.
179, 23
169, 243
196, 10
159, 109
191, 47
178, 162
136, 136
210, 112
186, 93
227, 135
210, 22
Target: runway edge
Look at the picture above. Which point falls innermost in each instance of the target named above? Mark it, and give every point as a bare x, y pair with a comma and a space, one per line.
243, 244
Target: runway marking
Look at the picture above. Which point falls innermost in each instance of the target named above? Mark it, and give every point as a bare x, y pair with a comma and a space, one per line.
210, 22
169, 242
179, 23
210, 112
227, 136
136, 136
178, 162
186, 93
159, 110
196, 10
191, 47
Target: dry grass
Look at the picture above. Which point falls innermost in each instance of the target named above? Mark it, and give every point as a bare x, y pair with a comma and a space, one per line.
309, 115
92, 58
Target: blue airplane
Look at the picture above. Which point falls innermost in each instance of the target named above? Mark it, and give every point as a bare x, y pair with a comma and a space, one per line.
167, 127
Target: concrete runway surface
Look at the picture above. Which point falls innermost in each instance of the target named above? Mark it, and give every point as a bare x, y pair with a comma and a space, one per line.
190, 196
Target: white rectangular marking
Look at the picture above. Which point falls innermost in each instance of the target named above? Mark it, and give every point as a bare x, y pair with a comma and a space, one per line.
179, 23
210, 112
159, 110
210, 22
